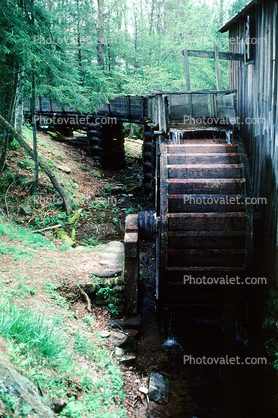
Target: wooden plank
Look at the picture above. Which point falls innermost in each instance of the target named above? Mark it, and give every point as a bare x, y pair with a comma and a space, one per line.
213, 241
206, 171
208, 158
186, 67
184, 258
210, 54
196, 203
208, 221
128, 106
220, 186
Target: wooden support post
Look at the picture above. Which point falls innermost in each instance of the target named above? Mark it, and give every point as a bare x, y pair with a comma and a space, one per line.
187, 78
217, 68
128, 106
186, 67
131, 268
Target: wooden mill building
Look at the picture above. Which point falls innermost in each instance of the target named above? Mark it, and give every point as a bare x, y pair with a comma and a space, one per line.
253, 32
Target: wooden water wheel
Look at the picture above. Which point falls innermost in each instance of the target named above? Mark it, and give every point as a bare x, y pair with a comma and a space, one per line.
205, 221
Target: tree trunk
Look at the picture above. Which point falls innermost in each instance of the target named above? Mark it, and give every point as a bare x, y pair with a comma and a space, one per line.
100, 40
13, 96
221, 13
10, 130
135, 41
34, 125
19, 115
33, 110
79, 43
151, 18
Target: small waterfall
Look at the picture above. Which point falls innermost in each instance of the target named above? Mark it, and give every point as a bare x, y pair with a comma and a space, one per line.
171, 343
176, 136
228, 137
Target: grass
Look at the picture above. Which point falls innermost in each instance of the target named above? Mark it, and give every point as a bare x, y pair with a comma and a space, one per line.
23, 235
43, 352
39, 335
15, 251
65, 356
22, 290
51, 287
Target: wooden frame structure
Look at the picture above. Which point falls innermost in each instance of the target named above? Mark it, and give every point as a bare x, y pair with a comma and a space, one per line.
216, 55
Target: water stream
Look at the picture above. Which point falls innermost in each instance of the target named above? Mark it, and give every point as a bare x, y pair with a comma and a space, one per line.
207, 390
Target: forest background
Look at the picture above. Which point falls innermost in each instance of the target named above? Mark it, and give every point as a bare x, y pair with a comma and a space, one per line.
81, 52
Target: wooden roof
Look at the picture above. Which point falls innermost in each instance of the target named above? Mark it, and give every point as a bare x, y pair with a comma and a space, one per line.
239, 15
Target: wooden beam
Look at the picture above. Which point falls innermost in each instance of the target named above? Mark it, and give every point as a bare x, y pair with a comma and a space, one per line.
186, 67
210, 54
128, 106
217, 68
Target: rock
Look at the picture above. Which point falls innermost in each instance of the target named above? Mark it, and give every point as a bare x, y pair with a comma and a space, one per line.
105, 334
128, 358
144, 390
64, 168
119, 351
115, 250
118, 338
142, 413
107, 272
111, 256
59, 405
22, 391
111, 263
25, 210
158, 387
115, 244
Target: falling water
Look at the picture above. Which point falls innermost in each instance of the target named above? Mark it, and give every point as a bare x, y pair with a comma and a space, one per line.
171, 343
177, 136
228, 137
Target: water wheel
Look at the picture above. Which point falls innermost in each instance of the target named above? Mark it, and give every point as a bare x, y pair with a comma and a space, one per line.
205, 221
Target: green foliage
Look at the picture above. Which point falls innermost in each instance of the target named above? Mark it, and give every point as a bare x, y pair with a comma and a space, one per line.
40, 351
141, 55
14, 144
236, 6
104, 292
12, 404
97, 174
130, 210
22, 290
32, 330
41, 221
16, 252
52, 288
22, 235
